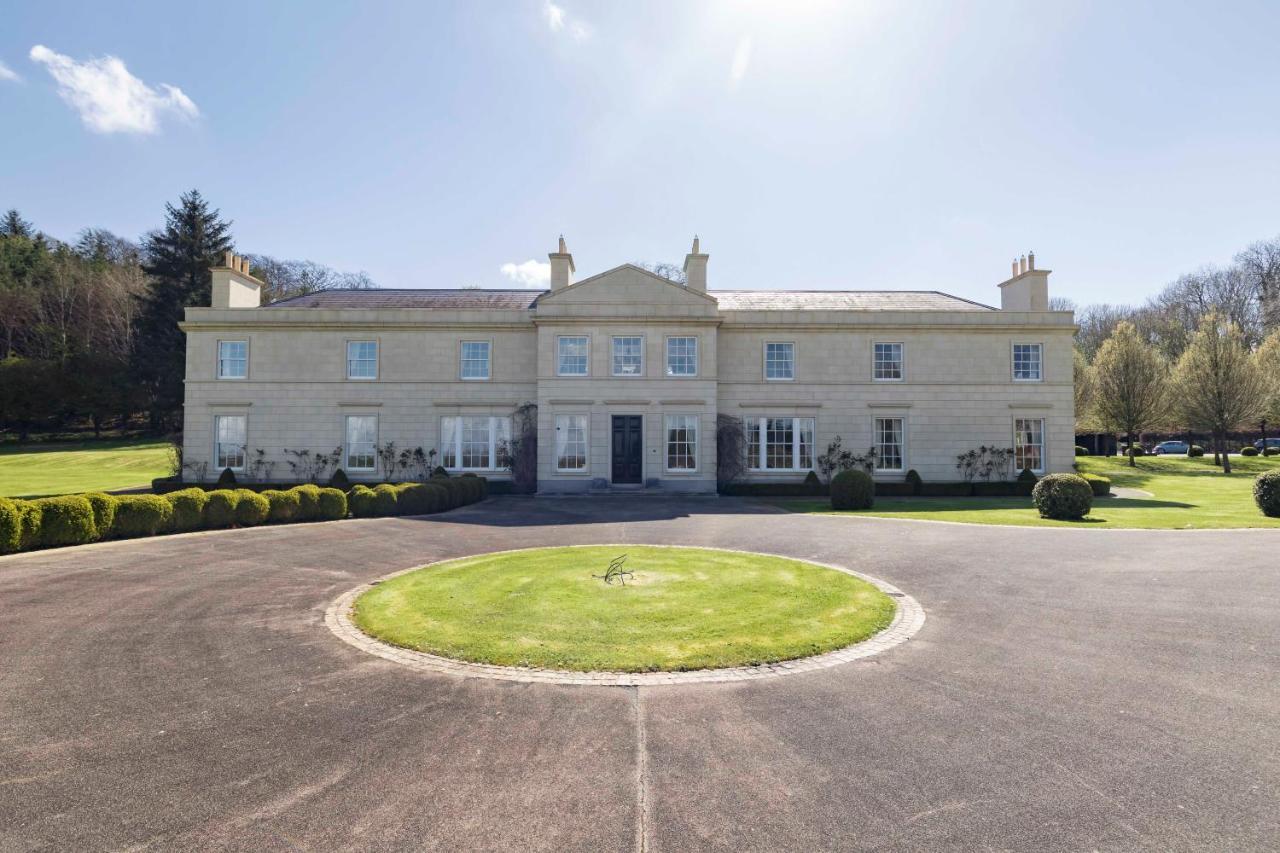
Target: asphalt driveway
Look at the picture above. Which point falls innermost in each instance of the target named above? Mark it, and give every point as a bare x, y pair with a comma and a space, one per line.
1071, 690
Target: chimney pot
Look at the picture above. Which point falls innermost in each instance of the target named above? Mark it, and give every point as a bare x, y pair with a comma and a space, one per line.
1031, 260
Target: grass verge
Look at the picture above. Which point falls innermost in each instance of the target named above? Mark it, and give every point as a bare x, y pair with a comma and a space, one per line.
37, 470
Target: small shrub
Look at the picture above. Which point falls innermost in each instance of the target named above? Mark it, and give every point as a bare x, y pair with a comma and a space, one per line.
141, 515
220, 510
360, 500
30, 515
1266, 493
386, 500
1026, 475
104, 512
66, 520
188, 508
1137, 450
252, 508
418, 499
915, 481
309, 499
1271, 451
1195, 450
439, 472
813, 482
1249, 450
1066, 497
1082, 451
1100, 485
284, 506
227, 479
10, 526
333, 504
852, 489
339, 480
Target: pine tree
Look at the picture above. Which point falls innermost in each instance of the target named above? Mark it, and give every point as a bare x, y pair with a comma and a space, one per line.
13, 225
177, 261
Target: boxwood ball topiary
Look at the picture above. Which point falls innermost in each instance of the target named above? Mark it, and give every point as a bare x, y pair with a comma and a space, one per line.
340, 481
1249, 450
386, 499
1082, 451
309, 500
188, 508
226, 478
285, 506
252, 508
1271, 451
1195, 450
1266, 493
360, 501
141, 515
333, 504
104, 511
10, 527
852, 490
29, 514
1063, 496
220, 510
66, 520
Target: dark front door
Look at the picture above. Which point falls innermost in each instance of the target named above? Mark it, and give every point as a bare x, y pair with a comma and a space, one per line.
628, 449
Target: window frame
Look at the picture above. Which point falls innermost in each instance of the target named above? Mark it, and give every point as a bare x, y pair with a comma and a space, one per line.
494, 439
244, 448
586, 365
666, 356
586, 442
666, 442
217, 371
613, 365
764, 355
902, 361
902, 443
1013, 360
346, 442
488, 360
759, 424
377, 359
1044, 443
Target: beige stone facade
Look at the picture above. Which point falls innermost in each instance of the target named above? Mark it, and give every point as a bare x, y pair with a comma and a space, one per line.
629, 372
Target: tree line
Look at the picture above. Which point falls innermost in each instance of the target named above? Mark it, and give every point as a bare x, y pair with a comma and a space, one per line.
89, 328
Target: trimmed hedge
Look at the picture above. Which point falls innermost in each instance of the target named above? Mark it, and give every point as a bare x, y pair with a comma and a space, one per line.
141, 515
946, 490
252, 508
1271, 451
309, 501
1082, 451
894, 490
774, 490
333, 504
30, 515
284, 506
188, 509
1266, 493
1248, 450
1137, 450
1195, 450
10, 526
852, 490
66, 520
1100, 485
104, 511
1066, 497
220, 511
915, 481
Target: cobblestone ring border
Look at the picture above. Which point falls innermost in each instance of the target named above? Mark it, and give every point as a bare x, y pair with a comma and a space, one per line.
907, 621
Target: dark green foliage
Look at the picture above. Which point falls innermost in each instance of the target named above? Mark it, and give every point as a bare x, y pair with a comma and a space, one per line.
1137, 450
946, 490
252, 508
450, 487
1100, 485
10, 526
418, 499
1066, 497
1266, 493
852, 489
333, 504
894, 490
141, 515
812, 480
339, 480
309, 501
285, 506
439, 472
66, 520
386, 500
220, 510
1082, 451
1271, 451
1195, 450
30, 515
915, 481
104, 512
360, 500
227, 479
1026, 475
188, 508
741, 489
1249, 450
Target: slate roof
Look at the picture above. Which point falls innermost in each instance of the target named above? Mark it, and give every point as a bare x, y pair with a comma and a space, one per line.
730, 300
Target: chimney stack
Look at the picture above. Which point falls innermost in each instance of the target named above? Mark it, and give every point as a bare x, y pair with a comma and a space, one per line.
561, 267
695, 268
1028, 289
232, 284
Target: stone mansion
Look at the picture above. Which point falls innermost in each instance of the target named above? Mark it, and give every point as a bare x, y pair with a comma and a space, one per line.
629, 372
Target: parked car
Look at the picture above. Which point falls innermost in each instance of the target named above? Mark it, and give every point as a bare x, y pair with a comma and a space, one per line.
1167, 448
1270, 442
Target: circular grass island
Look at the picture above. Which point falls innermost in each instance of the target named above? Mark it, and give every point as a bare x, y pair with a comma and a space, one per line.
679, 609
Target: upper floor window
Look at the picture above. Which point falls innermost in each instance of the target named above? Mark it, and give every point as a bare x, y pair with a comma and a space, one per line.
682, 356
628, 356
1028, 443
890, 453
229, 442
475, 359
362, 359
362, 443
571, 355
1026, 362
887, 363
233, 359
779, 360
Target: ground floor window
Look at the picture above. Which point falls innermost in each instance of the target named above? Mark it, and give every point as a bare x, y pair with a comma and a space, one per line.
474, 443
571, 442
890, 454
229, 442
1028, 443
362, 443
779, 444
682, 442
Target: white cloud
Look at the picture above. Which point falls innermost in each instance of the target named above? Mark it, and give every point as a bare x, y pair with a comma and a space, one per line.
531, 273
108, 98
558, 20
741, 60
7, 73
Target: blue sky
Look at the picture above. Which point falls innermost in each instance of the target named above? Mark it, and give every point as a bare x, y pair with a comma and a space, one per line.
811, 145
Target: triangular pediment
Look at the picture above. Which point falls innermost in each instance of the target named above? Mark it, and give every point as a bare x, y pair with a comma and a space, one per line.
628, 284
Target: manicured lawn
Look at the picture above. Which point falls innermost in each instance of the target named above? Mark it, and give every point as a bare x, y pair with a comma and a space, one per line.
1186, 494
685, 609
59, 469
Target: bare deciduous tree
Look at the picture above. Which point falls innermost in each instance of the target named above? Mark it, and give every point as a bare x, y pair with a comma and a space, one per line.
1130, 391
1260, 265
1268, 360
